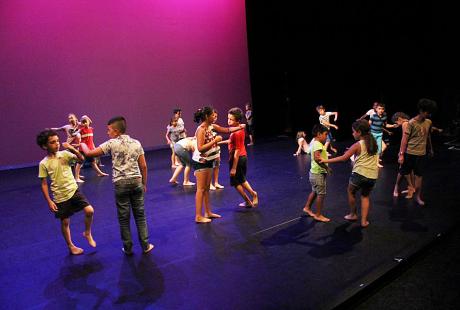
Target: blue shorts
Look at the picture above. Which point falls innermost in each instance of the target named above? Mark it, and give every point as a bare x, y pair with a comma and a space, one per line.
378, 139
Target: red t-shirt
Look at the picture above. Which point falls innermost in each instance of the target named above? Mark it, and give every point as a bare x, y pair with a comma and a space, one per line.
87, 137
237, 142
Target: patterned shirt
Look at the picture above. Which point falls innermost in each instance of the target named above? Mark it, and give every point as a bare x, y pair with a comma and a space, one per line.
323, 119
63, 184
378, 122
125, 153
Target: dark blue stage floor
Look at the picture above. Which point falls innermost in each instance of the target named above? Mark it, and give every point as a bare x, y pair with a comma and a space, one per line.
271, 257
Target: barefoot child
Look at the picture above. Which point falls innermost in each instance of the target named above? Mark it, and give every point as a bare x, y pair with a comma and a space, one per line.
302, 143
415, 142
182, 150
129, 175
318, 173
378, 123
365, 170
238, 160
324, 120
67, 199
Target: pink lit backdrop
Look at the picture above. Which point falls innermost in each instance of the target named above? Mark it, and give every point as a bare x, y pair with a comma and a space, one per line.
139, 59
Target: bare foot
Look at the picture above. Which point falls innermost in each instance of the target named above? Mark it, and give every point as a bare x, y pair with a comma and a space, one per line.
90, 239
188, 183
79, 181
218, 186
255, 199
321, 218
395, 193
103, 174
82, 177
420, 201
200, 219
351, 217
309, 212
246, 205
149, 248
173, 182
212, 216
364, 224
405, 191
410, 193
75, 250
379, 165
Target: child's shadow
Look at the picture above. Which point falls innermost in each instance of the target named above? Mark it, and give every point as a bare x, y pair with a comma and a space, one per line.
339, 242
292, 234
72, 283
140, 283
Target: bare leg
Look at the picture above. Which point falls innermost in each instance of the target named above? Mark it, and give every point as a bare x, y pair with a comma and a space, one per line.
396, 188
187, 176
255, 197
309, 203
207, 205
240, 190
201, 188
176, 174
418, 190
77, 173
365, 203
319, 206
352, 216
410, 186
65, 229
89, 212
99, 172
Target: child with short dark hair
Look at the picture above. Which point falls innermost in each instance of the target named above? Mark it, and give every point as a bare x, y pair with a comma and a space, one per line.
238, 161
129, 175
365, 170
318, 173
378, 123
415, 141
67, 199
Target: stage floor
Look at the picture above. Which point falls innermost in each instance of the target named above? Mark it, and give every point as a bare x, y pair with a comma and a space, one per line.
271, 257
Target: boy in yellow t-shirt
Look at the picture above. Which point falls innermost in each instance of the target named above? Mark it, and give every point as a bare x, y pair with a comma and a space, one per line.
318, 173
67, 199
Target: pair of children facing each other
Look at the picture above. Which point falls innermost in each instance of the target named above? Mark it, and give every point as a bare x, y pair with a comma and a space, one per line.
81, 132
207, 150
181, 147
129, 177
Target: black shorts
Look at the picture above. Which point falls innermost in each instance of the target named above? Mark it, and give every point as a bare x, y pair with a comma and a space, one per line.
67, 208
241, 167
413, 163
197, 166
359, 182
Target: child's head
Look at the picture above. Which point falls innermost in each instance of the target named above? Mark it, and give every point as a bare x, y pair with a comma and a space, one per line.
235, 116
320, 133
380, 109
72, 119
300, 134
426, 107
321, 110
399, 118
361, 130
48, 140
375, 104
203, 114
248, 106
85, 121
173, 122
116, 126
177, 112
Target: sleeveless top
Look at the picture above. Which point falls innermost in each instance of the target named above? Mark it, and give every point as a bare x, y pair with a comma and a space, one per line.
212, 153
365, 164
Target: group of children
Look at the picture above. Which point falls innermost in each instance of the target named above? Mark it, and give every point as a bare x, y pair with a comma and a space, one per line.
415, 142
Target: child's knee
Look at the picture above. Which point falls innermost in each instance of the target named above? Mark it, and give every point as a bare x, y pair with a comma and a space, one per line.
65, 222
89, 211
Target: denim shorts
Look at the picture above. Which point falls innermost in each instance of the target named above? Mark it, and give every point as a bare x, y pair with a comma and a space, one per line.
198, 166
359, 182
183, 155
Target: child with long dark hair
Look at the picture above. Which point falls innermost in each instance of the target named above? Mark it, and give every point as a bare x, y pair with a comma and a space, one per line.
365, 169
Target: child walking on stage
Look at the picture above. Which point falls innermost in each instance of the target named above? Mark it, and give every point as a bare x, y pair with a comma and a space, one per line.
324, 120
67, 199
415, 141
202, 160
129, 175
302, 143
378, 122
182, 150
238, 160
249, 127
87, 133
173, 134
318, 173
365, 170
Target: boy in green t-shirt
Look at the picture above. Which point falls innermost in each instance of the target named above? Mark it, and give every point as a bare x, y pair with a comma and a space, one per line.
318, 173
67, 199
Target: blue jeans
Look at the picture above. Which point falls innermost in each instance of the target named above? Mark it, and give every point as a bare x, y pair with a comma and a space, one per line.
129, 194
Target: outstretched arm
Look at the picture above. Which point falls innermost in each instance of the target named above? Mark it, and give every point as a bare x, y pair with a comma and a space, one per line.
91, 153
72, 149
354, 149
221, 129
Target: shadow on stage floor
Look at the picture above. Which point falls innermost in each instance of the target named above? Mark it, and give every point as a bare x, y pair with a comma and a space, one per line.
271, 257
